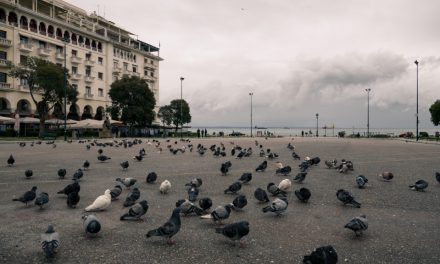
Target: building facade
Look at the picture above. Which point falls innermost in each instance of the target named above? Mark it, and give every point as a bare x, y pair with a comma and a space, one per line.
94, 50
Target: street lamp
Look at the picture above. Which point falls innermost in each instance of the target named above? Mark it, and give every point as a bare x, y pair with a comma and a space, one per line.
181, 108
65, 40
417, 105
368, 90
251, 94
317, 115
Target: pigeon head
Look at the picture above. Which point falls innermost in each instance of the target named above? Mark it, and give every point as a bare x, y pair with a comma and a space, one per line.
50, 229
144, 204
229, 207
107, 192
34, 188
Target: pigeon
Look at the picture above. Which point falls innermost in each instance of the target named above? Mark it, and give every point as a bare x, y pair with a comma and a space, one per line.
299, 178
219, 214
86, 165
165, 187
274, 190
239, 202
437, 176
11, 160
246, 177
91, 225
100, 151
205, 203
284, 170
225, 167
315, 161
261, 195
295, 156
100, 203
42, 199
233, 188
343, 169
285, 185
322, 255
115, 192
331, 164
234, 231
278, 206
386, 176
169, 229
151, 177
303, 194
78, 174
138, 157
124, 164
127, 182
358, 225
22, 144
196, 182
136, 211
187, 207
28, 174
72, 199
50, 242
361, 180
132, 197
73, 187
419, 185
103, 158
262, 167
193, 192
28, 196
62, 173
347, 198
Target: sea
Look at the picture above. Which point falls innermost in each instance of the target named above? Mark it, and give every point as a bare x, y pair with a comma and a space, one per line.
311, 131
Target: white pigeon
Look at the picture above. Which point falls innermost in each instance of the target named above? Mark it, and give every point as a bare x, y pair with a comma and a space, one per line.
285, 185
279, 165
101, 203
164, 187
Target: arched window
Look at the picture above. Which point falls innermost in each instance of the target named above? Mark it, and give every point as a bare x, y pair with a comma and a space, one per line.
23, 107
33, 25
87, 112
50, 31
13, 19
42, 28
23, 22
99, 47
73, 112
59, 34
67, 35
4, 106
99, 113
74, 39
87, 43
2, 15
93, 45
81, 41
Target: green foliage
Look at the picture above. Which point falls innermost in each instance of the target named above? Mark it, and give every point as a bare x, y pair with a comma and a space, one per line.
181, 112
132, 100
166, 114
423, 134
435, 112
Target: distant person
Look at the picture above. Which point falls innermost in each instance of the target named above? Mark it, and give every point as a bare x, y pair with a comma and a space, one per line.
302, 133
198, 132
206, 133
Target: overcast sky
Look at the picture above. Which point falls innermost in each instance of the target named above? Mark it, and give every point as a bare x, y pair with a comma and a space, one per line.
298, 57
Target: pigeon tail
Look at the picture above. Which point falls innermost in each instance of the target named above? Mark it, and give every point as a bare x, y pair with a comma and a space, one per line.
356, 204
207, 216
125, 217
154, 232
49, 248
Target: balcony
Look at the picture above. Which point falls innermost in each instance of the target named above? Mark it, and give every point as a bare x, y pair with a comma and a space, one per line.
26, 47
88, 95
24, 88
5, 86
4, 63
136, 74
149, 78
117, 70
75, 76
75, 60
89, 62
6, 43
89, 79
44, 52
59, 56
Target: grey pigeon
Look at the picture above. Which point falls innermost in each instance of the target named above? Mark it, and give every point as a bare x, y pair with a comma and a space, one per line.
62, 173
278, 206
299, 178
361, 180
42, 199
386, 176
225, 167
169, 229
78, 174
50, 242
345, 197
72, 199
86, 165
193, 192
303, 194
233, 188
246, 177
322, 255
234, 231
197, 182
187, 207
136, 211
73, 187
28, 173
205, 203
27, 196
91, 225
437, 176
124, 164
419, 185
219, 214
103, 158
239, 202
274, 190
115, 192
358, 224
262, 166
11, 160
151, 177
261, 195
132, 197
128, 182
284, 170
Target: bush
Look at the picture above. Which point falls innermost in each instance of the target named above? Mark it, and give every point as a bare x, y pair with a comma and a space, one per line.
341, 134
423, 134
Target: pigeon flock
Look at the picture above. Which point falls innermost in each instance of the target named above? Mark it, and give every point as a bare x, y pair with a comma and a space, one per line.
288, 182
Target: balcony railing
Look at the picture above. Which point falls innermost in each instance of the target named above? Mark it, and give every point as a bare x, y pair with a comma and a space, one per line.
75, 59
59, 56
88, 95
44, 52
5, 86
117, 69
89, 62
75, 76
26, 47
4, 63
136, 74
5, 42
89, 79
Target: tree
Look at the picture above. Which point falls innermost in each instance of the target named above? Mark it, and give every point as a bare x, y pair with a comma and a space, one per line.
165, 115
132, 100
46, 85
435, 112
180, 117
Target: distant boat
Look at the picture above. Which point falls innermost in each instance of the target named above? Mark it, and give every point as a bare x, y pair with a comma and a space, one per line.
256, 127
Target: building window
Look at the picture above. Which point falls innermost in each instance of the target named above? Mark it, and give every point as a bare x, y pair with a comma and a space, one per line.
74, 53
125, 66
24, 40
59, 49
3, 77
3, 55
152, 74
42, 44
74, 70
134, 69
24, 82
100, 75
23, 59
115, 78
88, 71
88, 56
75, 86
88, 90
100, 60
100, 92
2, 34
115, 64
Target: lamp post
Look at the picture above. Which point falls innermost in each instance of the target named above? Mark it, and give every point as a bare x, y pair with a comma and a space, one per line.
317, 115
368, 90
65, 40
181, 108
251, 94
417, 103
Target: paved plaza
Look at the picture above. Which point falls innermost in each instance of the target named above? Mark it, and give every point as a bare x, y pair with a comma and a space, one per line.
403, 224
